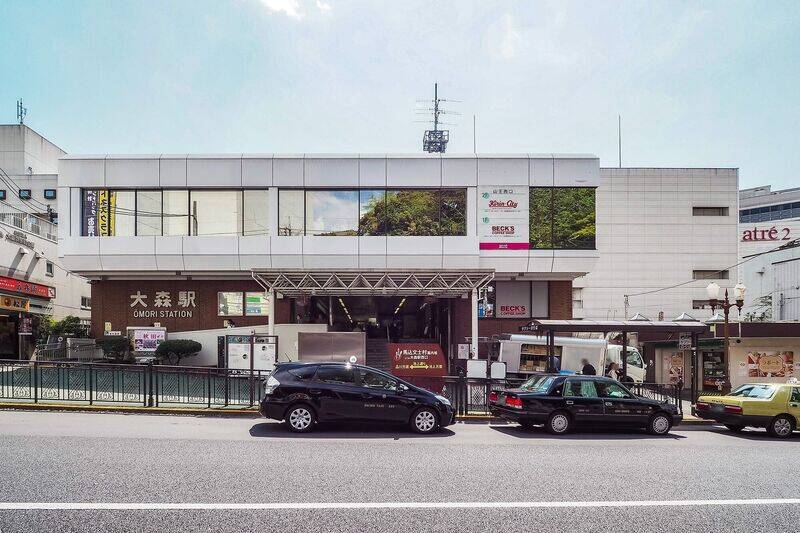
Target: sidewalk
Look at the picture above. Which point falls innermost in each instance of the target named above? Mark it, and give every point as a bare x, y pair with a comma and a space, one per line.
688, 419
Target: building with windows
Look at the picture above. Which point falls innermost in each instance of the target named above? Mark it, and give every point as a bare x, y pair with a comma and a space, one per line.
660, 228
769, 223
33, 283
405, 248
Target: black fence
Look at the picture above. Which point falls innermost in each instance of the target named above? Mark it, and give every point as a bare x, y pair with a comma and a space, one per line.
145, 385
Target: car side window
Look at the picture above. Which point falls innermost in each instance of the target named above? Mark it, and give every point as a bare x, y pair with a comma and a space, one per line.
375, 380
613, 390
336, 374
303, 372
634, 359
796, 394
580, 388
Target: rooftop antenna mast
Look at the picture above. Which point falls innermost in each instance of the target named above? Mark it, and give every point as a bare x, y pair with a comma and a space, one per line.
21, 112
435, 140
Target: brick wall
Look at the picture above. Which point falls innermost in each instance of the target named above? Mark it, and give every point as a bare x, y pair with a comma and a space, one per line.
560, 300
111, 302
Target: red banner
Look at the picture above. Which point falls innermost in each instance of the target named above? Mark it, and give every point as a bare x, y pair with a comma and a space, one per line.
26, 287
411, 360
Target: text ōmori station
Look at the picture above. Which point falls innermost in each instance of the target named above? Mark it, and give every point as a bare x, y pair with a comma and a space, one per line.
405, 248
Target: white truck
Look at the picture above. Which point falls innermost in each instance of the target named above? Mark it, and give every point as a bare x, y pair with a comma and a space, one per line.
527, 354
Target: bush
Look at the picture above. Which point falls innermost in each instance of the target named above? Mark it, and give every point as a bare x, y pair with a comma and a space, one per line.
172, 351
117, 349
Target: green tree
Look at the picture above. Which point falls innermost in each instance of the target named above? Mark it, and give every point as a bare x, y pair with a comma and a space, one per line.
116, 348
173, 350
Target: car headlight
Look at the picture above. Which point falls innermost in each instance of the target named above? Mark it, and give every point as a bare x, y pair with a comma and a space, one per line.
442, 399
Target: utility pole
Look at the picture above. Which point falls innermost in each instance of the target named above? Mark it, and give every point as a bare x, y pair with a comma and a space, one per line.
619, 138
474, 135
435, 140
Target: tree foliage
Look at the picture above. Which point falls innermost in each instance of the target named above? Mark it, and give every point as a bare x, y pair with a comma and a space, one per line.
762, 310
562, 217
173, 350
116, 348
416, 212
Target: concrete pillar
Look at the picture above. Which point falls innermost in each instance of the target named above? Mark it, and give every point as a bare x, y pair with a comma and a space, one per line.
272, 311
474, 329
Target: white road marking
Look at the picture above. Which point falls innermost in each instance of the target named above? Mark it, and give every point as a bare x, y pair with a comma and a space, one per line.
176, 506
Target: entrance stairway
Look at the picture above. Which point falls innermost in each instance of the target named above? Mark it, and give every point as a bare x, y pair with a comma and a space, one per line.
378, 354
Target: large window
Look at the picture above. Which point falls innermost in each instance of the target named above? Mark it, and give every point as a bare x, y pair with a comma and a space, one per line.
375, 212
216, 212
148, 212
176, 213
122, 209
562, 218
331, 212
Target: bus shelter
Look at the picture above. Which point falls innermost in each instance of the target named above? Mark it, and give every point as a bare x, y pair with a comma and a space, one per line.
667, 330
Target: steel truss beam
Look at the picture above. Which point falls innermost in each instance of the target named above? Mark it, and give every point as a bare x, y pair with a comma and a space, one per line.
441, 283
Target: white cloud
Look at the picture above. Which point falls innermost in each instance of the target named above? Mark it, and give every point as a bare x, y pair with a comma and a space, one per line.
504, 37
290, 8
323, 6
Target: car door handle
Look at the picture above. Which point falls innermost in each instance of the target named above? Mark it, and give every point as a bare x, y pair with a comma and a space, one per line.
570, 402
794, 405
366, 395
315, 391
608, 404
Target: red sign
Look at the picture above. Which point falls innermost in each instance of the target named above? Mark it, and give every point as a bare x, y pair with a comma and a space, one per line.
504, 246
769, 234
26, 287
409, 360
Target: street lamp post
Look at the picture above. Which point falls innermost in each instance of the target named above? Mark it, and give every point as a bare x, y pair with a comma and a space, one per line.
725, 305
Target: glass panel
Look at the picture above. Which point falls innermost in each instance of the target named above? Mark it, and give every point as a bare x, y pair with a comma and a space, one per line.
541, 222
216, 212
412, 212
122, 207
372, 212
580, 388
331, 213
229, 304
148, 212
377, 380
613, 390
256, 212
573, 218
176, 213
335, 374
453, 212
256, 304
290, 212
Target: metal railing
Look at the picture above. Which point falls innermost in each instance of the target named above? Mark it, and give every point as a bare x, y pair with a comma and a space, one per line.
29, 223
662, 392
145, 385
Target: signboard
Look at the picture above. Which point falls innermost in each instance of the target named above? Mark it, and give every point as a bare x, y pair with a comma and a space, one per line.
673, 367
14, 303
503, 217
25, 326
162, 304
90, 213
770, 364
685, 341
26, 287
463, 351
772, 233
513, 299
147, 339
262, 349
411, 360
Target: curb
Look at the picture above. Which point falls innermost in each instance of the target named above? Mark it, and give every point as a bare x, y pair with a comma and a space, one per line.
223, 413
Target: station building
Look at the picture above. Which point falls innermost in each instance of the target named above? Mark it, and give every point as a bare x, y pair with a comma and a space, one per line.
405, 248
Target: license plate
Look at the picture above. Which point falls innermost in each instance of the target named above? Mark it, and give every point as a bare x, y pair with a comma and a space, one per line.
718, 407
502, 399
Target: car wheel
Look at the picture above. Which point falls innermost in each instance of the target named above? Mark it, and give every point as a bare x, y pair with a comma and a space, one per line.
734, 428
660, 424
424, 420
300, 418
781, 426
559, 423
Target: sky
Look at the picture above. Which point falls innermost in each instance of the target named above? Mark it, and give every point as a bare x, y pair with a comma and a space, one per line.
700, 84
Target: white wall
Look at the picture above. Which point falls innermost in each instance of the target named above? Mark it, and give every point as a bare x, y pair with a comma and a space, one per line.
648, 239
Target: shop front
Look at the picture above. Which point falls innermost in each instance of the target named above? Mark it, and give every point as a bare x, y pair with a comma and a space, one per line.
21, 305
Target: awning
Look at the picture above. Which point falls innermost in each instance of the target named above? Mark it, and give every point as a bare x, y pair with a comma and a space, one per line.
608, 326
439, 283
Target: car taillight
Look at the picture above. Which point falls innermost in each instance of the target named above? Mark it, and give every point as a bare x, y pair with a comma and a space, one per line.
516, 403
702, 405
270, 386
733, 409
493, 396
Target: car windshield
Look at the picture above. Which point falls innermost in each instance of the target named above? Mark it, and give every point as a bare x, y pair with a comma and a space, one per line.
538, 384
761, 392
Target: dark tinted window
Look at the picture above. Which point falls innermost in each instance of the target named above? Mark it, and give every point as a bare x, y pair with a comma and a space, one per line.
335, 374
303, 372
377, 380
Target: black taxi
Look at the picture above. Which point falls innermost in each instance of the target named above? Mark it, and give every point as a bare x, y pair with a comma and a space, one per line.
562, 402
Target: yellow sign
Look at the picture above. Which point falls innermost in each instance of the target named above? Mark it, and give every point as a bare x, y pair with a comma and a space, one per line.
14, 303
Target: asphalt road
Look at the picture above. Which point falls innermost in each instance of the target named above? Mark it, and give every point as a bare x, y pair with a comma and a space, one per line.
470, 477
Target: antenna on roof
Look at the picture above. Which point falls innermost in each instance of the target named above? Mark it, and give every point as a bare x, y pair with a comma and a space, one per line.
21, 112
619, 138
435, 140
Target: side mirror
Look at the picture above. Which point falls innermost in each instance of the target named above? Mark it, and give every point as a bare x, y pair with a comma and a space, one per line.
401, 388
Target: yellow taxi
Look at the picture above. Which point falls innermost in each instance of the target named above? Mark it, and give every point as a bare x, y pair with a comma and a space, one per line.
774, 406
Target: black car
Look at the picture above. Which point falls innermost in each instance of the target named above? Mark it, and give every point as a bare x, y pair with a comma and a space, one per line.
303, 394
562, 402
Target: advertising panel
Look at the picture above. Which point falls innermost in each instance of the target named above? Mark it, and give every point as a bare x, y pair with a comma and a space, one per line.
26, 287
147, 339
673, 367
513, 299
417, 360
770, 363
90, 213
503, 217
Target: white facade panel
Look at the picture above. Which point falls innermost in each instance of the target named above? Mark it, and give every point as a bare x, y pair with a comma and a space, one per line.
172, 171
287, 172
130, 173
372, 172
417, 172
216, 172
576, 173
505, 171
257, 171
325, 172
541, 172
82, 172
458, 172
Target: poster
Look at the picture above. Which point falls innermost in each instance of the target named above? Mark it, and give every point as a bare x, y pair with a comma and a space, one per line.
90, 213
147, 340
503, 217
412, 360
770, 363
673, 367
